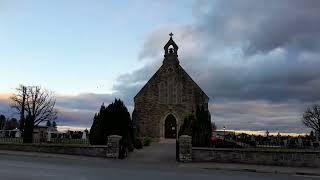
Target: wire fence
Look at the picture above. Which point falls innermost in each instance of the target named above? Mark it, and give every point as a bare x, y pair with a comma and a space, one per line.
62, 141
11, 140
68, 141
283, 143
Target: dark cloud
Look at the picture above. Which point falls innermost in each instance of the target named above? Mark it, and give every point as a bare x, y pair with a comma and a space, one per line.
75, 110
85, 101
3, 106
259, 115
74, 117
261, 26
244, 53
128, 85
265, 77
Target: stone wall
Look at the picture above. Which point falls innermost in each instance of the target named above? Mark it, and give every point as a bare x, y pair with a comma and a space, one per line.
113, 146
299, 158
96, 151
185, 148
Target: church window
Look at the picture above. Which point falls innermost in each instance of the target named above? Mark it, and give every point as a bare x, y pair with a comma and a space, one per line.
170, 92
178, 93
162, 93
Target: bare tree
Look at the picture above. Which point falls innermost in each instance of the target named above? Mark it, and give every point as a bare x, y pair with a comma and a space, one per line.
311, 118
38, 105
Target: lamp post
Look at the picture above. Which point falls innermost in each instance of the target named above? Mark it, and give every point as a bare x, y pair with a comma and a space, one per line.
224, 132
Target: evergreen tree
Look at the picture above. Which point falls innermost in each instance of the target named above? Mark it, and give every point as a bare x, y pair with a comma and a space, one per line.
112, 120
54, 124
202, 128
11, 124
186, 127
48, 123
199, 127
2, 121
95, 136
28, 131
213, 125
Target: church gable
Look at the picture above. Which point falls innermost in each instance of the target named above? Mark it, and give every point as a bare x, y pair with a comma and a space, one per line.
170, 85
152, 81
196, 86
168, 97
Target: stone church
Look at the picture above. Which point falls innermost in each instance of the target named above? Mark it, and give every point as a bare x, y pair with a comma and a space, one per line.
167, 98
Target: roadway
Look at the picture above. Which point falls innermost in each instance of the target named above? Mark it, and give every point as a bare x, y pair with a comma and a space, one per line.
37, 166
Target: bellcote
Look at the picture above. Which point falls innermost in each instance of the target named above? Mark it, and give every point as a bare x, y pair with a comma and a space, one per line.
171, 50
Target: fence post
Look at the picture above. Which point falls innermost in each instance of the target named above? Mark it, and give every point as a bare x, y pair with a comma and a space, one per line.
185, 148
113, 146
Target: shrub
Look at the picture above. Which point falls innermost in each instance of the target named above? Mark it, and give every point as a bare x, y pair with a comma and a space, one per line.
146, 141
198, 126
202, 128
137, 143
186, 128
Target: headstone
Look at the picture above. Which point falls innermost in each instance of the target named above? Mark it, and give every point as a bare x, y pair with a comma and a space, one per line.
185, 148
113, 146
49, 136
285, 143
18, 134
253, 138
84, 135
300, 142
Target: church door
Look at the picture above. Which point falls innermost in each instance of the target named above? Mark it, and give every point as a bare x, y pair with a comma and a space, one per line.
170, 127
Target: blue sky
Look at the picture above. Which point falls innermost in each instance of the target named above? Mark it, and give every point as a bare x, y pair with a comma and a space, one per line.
78, 45
258, 62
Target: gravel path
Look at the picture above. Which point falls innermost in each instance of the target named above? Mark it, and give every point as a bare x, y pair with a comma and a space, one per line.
163, 151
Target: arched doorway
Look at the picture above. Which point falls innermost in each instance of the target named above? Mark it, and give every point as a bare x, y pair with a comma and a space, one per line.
170, 127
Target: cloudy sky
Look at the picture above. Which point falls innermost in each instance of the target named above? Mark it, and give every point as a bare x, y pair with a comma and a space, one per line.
257, 61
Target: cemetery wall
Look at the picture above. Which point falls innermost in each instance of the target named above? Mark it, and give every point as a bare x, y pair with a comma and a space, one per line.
282, 157
96, 151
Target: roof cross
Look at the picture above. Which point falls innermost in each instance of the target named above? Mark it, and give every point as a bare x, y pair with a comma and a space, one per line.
171, 34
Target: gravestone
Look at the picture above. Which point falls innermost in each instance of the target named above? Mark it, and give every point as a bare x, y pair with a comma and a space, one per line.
300, 142
113, 146
285, 143
185, 148
48, 137
84, 135
18, 134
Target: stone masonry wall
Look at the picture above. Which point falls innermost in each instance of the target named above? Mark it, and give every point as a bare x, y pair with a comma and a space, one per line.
185, 148
298, 158
96, 151
111, 150
113, 146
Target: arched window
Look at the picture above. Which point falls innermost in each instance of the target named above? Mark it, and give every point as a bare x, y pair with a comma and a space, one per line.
170, 92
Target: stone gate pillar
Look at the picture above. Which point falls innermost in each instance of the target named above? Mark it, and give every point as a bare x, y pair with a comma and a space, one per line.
185, 148
113, 146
